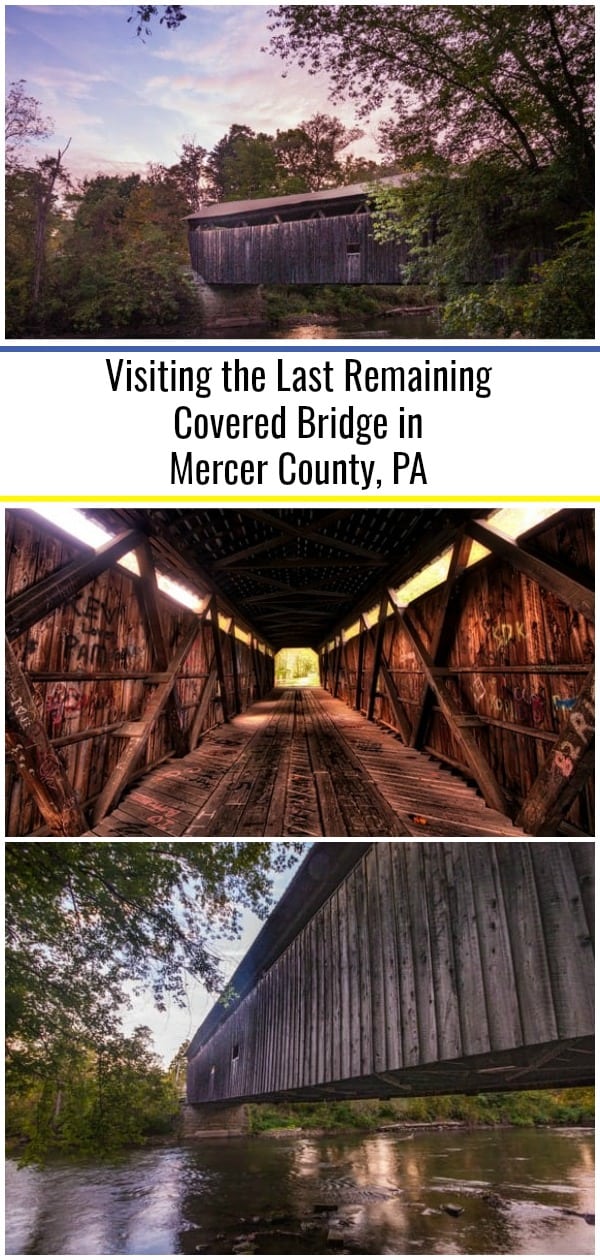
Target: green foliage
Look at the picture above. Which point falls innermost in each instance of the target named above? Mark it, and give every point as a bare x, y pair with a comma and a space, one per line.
96, 1102
344, 303
245, 164
559, 301
524, 1109
87, 921
462, 80
295, 664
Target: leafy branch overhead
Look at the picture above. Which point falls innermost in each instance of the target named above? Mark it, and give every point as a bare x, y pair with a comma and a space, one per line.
460, 80
88, 922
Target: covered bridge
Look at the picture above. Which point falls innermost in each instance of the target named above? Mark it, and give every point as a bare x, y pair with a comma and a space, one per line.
455, 650
410, 969
304, 238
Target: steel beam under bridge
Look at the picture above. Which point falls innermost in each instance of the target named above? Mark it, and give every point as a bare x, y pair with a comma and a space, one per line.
412, 968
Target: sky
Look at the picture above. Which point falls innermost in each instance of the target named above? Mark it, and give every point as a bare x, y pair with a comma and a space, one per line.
125, 102
178, 1024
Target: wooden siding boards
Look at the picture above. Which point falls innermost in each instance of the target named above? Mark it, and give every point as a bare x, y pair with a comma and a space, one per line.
431, 967
517, 656
90, 665
336, 250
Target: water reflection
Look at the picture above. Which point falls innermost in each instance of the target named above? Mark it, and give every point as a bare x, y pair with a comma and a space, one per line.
514, 1192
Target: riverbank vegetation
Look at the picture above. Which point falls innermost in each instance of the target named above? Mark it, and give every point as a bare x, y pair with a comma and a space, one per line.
91, 926
522, 1109
489, 132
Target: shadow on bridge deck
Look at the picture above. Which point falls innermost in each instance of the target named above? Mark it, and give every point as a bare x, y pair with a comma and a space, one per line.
300, 763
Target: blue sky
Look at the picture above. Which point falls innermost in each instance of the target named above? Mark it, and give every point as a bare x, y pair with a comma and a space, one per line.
178, 1024
126, 103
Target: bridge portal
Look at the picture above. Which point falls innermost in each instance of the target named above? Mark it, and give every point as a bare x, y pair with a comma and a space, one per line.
412, 968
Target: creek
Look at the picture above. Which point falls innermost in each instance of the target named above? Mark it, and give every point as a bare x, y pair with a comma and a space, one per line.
453, 1191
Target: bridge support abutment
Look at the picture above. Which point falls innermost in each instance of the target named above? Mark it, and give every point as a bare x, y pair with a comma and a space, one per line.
230, 305
213, 1120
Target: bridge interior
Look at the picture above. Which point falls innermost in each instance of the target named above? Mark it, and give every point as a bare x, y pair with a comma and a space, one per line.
456, 665
409, 969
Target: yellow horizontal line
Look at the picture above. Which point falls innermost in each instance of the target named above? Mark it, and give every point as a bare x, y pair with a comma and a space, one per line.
124, 500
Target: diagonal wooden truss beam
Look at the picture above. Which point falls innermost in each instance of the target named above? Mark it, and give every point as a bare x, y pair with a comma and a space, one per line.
138, 733
458, 722
402, 722
148, 599
572, 592
566, 769
36, 761
23, 610
313, 533
442, 632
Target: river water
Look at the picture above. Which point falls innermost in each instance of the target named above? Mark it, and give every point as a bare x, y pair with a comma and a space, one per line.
509, 1191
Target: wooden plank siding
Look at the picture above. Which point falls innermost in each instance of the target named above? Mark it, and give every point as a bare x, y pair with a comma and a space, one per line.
337, 250
515, 661
432, 967
91, 669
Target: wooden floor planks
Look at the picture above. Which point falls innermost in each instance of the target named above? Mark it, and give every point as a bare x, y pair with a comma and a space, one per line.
303, 764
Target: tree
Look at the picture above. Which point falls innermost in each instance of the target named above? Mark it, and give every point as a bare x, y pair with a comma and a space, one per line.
510, 79
24, 122
188, 174
86, 919
243, 164
95, 1100
309, 153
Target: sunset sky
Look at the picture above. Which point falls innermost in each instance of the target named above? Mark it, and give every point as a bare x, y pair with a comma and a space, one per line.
125, 102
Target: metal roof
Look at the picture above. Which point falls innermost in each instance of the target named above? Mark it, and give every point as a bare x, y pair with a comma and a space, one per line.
293, 203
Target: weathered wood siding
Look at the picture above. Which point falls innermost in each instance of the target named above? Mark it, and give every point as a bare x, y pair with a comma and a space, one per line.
426, 953
339, 250
505, 626
86, 662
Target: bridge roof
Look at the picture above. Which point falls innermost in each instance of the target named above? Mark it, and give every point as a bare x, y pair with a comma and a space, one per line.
344, 200
294, 575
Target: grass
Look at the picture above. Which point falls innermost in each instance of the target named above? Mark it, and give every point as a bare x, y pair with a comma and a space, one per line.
523, 1109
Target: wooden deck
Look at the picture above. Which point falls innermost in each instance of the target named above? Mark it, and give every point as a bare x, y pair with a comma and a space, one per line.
302, 764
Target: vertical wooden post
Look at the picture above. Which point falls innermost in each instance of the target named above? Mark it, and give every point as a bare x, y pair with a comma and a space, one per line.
234, 668
338, 662
383, 607
148, 599
362, 638
216, 633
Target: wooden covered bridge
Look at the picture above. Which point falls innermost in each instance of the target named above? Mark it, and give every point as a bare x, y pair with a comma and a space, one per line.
456, 666
409, 969
304, 238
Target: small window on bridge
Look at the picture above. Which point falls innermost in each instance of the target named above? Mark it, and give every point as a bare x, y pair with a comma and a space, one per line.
235, 1053
353, 247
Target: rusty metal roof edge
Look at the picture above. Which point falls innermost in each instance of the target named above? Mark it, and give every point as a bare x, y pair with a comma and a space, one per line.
325, 866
